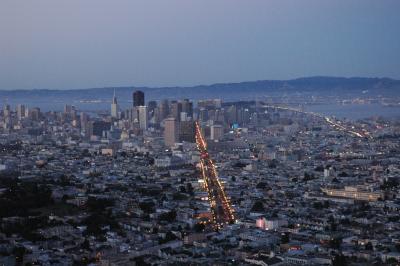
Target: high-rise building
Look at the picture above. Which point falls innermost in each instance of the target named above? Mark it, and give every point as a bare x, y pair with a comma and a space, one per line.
187, 107
203, 115
184, 117
67, 109
34, 114
164, 109
156, 119
187, 131
98, 127
74, 113
132, 115
143, 117
254, 119
85, 124
20, 111
138, 98
231, 114
7, 116
171, 131
114, 107
217, 131
213, 103
219, 116
151, 106
6, 110
176, 109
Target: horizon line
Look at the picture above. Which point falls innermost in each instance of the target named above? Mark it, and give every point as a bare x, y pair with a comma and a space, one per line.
198, 85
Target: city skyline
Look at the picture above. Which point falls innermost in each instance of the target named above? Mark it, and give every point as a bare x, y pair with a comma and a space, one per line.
245, 182
180, 132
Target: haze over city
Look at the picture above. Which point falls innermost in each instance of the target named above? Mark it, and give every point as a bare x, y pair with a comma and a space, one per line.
199, 133
97, 43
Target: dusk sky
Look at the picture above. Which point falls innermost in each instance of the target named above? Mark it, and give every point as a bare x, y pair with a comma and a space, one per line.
96, 43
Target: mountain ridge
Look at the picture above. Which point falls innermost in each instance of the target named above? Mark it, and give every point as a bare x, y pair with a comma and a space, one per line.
309, 87
312, 80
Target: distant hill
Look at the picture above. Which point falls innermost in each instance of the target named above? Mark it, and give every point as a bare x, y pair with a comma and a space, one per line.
319, 86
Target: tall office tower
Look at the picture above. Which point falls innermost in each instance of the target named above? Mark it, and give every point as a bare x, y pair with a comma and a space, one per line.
89, 130
74, 113
254, 119
214, 103
7, 116
240, 116
84, 123
151, 106
133, 115
20, 111
6, 110
203, 115
99, 127
143, 117
211, 114
34, 114
67, 109
26, 112
217, 131
219, 116
176, 109
231, 114
114, 107
127, 114
187, 107
184, 117
138, 98
156, 119
171, 131
246, 116
187, 131
218, 103
151, 109
164, 109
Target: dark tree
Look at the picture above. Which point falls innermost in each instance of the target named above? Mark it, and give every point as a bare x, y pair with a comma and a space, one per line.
19, 253
285, 238
339, 260
335, 243
168, 216
147, 207
86, 245
258, 207
98, 204
261, 185
20, 198
199, 227
189, 189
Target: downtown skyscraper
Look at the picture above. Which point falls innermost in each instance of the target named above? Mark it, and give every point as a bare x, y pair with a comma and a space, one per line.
138, 98
114, 107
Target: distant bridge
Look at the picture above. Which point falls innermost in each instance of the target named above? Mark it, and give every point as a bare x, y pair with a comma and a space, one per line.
336, 124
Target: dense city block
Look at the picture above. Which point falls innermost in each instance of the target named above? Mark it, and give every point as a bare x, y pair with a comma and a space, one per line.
178, 182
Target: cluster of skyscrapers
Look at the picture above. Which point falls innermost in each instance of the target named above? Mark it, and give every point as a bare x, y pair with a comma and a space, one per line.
172, 120
175, 116
21, 113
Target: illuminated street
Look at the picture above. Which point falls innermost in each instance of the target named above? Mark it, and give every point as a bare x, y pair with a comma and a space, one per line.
221, 210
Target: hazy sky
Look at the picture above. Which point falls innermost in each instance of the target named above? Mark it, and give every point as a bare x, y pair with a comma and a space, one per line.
95, 43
